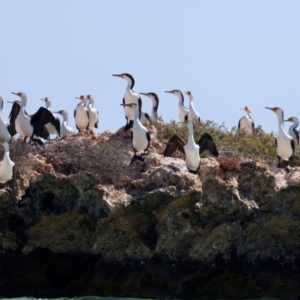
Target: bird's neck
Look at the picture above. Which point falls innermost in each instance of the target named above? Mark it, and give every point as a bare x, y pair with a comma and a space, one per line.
65, 118
280, 123
23, 102
191, 140
294, 126
191, 99
48, 105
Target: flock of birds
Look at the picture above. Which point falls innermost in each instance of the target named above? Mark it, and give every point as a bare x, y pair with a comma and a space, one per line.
31, 128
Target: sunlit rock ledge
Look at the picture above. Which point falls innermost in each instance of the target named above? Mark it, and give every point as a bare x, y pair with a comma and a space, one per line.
81, 221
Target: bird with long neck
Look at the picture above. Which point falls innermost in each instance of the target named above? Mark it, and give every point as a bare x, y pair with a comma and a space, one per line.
140, 135
65, 128
155, 103
129, 97
81, 114
193, 114
4, 127
284, 142
49, 126
246, 123
183, 111
93, 113
22, 122
191, 150
293, 132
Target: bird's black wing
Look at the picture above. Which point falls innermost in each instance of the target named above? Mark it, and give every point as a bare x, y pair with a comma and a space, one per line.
293, 145
74, 113
297, 135
175, 143
42, 117
253, 127
276, 142
239, 125
140, 102
206, 142
96, 125
149, 140
15, 109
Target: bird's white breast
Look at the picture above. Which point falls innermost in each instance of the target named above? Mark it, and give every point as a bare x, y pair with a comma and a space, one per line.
284, 148
4, 134
6, 169
81, 118
182, 112
93, 116
139, 140
130, 97
192, 156
192, 115
22, 124
246, 124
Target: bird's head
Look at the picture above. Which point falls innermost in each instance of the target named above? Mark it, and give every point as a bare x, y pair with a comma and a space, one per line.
126, 76
20, 94
46, 99
90, 97
277, 110
246, 109
61, 112
292, 119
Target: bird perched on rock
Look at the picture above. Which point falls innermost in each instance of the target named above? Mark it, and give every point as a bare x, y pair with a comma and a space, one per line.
6, 164
51, 129
191, 150
64, 128
246, 123
193, 114
28, 126
4, 127
183, 111
293, 132
140, 135
284, 142
93, 113
81, 114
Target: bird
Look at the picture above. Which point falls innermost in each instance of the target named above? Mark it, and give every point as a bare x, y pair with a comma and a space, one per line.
51, 129
293, 132
155, 103
183, 111
6, 164
192, 115
284, 142
4, 127
81, 114
140, 134
129, 98
191, 150
93, 113
246, 123
65, 128
28, 126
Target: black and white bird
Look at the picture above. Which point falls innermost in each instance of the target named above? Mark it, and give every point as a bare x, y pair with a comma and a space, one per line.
193, 114
293, 132
246, 123
64, 128
191, 150
6, 164
155, 103
51, 128
4, 127
284, 142
129, 97
93, 113
183, 111
81, 114
28, 126
140, 135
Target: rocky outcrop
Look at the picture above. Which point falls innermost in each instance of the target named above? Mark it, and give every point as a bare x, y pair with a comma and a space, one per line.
81, 221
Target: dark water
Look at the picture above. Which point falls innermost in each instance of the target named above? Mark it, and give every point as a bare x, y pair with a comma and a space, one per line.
111, 298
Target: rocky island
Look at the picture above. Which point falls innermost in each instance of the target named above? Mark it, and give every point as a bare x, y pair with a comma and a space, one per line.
80, 220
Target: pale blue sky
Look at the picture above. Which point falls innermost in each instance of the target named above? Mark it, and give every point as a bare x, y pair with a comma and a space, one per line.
228, 53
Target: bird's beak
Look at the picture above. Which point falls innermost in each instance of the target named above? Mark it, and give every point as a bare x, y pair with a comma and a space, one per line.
117, 75
169, 92
43, 99
288, 120
14, 93
270, 108
77, 98
243, 108
11, 102
186, 92
145, 94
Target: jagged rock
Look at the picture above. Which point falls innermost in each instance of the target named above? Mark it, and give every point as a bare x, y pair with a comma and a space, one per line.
82, 220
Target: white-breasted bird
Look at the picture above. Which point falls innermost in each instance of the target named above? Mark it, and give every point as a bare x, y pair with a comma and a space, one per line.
93, 113
293, 132
49, 126
193, 114
183, 111
155, 103
64, 128
6, 164
246, 123
28, 126
129, 97
284, 142
140, 135
81, 114
191, 150
4, 126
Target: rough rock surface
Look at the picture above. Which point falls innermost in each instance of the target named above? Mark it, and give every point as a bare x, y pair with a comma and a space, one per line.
81, 221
